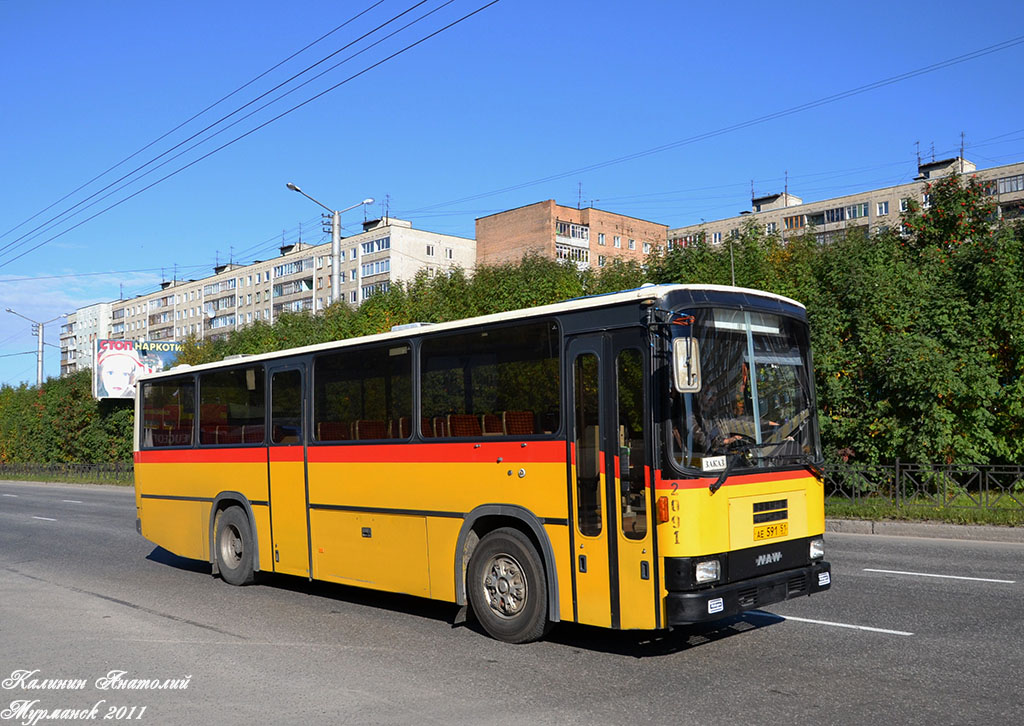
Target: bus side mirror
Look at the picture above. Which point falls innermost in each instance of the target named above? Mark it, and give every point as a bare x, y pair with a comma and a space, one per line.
686, 365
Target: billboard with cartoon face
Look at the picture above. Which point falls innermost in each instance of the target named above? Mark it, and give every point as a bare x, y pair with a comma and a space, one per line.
119, 363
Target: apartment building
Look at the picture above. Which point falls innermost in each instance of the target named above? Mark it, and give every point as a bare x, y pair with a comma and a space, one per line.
78, 336
874, 211
387, 250
588, 237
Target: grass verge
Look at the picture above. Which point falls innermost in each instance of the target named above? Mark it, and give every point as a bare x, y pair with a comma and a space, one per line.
1005, 512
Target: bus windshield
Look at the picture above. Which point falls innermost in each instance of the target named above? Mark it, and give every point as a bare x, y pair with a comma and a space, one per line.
755, 406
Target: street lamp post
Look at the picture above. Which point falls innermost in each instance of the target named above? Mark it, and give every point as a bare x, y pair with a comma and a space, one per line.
39, 348
335, 240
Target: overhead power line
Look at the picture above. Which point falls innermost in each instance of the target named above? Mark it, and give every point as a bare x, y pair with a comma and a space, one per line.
362, 72
58, 219
194, 117
744, 124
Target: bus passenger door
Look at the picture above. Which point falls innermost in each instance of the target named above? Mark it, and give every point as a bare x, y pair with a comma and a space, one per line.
613, 560
288, 491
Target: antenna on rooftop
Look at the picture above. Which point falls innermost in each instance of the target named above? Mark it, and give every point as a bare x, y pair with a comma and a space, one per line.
917, 146
961, 152
579, 194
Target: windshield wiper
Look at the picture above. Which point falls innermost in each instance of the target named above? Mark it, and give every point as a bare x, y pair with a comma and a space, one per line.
739, 452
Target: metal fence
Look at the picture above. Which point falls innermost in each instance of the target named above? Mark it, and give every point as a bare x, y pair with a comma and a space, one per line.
118, 472
954, 487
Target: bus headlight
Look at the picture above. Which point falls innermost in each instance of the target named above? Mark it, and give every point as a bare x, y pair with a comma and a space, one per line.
817, 548
708, 571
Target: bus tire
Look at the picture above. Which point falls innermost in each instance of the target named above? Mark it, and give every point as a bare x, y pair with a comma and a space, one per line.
507, 587
234, 547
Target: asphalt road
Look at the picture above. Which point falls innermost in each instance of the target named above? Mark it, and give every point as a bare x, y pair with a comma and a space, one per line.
81, 595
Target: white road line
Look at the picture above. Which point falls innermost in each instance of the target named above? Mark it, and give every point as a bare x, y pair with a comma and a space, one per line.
11, 495
45, 519
944, 577
845, 625
71, 501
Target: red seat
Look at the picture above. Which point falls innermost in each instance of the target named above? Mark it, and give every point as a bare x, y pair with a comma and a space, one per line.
464, 424
518, 423
333, 431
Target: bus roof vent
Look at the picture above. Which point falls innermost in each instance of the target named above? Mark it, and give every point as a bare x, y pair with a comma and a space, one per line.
408, 326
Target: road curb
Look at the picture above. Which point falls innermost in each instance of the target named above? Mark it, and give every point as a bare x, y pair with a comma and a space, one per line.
936, 530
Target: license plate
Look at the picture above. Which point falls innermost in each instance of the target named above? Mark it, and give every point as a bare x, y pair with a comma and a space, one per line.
771, 531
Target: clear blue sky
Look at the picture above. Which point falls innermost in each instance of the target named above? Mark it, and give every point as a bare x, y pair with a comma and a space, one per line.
521, 92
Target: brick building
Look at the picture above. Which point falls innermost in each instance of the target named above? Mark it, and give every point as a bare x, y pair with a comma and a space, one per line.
587, 237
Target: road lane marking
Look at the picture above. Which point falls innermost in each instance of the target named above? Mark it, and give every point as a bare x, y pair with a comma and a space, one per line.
11, 495
944, 577
71, 501
45, 519
846, 625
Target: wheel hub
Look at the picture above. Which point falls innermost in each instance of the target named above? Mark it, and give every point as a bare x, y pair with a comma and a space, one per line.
505, 586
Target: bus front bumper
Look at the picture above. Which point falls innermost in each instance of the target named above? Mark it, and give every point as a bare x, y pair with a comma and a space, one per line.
723, 601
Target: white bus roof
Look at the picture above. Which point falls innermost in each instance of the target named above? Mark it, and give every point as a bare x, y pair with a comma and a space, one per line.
581, 303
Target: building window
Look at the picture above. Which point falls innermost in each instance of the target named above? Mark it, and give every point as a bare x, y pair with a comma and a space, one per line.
572, 253
647, 248
882, 209
572, 231
1010, 184
855, 211
449, 253
835, 215
795, 222
430, 250
905, 204
600, 238
716, 237
618, 242
771, 227
632, 244
926, 200
600, 260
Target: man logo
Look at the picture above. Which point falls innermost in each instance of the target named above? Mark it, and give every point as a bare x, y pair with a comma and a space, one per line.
768, 559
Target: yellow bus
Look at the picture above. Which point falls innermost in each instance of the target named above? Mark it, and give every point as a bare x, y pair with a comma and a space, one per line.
638, 460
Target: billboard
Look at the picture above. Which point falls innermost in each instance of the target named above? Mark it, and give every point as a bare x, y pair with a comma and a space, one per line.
119, 363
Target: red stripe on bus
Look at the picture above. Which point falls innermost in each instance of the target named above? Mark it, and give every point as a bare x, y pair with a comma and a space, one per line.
256, 455
469, 452
704, 483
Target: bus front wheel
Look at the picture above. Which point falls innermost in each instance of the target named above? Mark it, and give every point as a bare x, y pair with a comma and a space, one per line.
234, 547
507, 588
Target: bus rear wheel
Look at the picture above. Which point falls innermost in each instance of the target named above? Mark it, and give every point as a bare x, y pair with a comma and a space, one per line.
507, 588
234, 547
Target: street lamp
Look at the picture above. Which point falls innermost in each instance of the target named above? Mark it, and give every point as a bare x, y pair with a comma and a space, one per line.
39, 348
335, 240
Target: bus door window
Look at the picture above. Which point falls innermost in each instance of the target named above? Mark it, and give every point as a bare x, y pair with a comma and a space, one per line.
630, 415
286, 407
588, 449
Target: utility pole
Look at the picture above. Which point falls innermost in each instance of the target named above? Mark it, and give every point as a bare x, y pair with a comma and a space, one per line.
37, 328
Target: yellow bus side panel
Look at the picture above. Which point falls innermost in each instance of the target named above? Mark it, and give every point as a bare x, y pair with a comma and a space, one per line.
183, 526
380, 551
559, 536
442, 536
177, 526
288, 504
266, 543
444, 487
